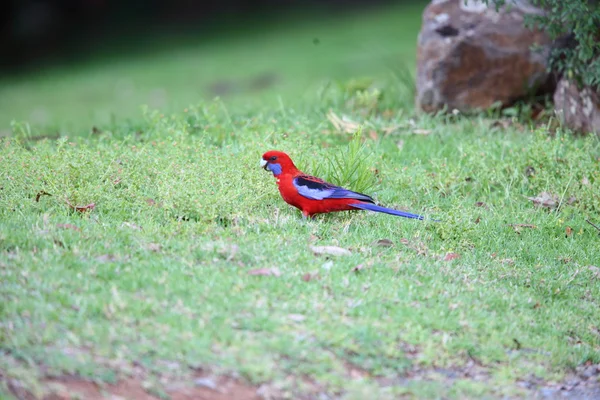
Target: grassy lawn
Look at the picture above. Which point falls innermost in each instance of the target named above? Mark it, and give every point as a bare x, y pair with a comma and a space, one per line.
187, 267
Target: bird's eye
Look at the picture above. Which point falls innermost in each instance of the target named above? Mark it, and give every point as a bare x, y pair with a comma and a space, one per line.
273, 158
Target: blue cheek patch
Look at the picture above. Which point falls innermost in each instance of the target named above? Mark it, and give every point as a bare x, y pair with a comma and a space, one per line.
275, 169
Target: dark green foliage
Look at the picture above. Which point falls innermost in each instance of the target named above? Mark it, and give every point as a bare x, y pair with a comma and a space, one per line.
575, 27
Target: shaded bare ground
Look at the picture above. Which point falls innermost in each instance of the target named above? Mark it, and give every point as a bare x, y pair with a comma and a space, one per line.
583, 383
134, 388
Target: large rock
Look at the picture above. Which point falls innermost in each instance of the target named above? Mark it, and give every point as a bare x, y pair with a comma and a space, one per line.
470, 56
577, 108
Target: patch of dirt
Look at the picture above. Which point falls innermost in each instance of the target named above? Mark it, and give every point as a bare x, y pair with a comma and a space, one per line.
471, 371
201, 388
353, 371
178, 382
582, 384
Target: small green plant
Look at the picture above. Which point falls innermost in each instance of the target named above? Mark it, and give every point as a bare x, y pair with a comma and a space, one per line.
21, 130
366, 100
351, 166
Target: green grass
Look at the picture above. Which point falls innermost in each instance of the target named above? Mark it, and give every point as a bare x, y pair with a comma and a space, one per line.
159, 270
104, 90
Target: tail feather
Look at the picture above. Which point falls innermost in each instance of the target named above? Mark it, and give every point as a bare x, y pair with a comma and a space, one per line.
376, 208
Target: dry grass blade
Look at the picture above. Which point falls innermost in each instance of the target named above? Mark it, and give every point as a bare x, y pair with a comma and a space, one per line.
391, 129
330, 250
518, 227
87, 207
530, 226
342, 124
545, 199
265, 272
68, 226
451, 256
420, 131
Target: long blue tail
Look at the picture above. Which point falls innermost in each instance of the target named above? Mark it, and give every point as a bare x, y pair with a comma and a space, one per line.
376, 208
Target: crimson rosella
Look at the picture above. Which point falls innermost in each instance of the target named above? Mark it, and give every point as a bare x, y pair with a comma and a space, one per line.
313, 195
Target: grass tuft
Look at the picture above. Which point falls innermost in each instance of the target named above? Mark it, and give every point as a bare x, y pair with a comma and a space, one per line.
351, 166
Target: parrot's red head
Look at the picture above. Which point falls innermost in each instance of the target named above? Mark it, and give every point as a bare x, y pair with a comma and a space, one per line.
277, 162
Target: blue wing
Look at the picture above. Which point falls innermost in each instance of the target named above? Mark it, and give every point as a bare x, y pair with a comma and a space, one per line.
317, 189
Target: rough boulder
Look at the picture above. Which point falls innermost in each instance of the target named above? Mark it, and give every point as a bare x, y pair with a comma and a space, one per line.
471, 56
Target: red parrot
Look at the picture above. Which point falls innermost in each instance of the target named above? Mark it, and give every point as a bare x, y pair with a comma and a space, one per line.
313, 195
